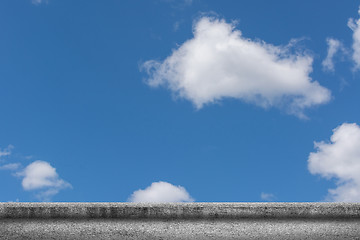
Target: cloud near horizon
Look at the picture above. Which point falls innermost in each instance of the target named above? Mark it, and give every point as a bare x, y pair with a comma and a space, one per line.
339, 159
219, 63
38, 2
40, 175
267, 196
161, 192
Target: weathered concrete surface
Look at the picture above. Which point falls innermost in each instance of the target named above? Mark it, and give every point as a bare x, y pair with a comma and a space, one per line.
180, 210
179, 221
178, 229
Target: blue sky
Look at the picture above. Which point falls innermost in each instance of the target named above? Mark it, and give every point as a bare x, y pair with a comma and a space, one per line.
170, 100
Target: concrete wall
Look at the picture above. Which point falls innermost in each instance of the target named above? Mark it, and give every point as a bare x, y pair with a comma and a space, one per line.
179, 221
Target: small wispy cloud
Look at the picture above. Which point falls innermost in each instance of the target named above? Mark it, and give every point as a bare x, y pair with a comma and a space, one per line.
179, 3
267, 196
189, 2
10, 166
176, 25
6, 151
159, 192
355, 26
334, 47
38, 2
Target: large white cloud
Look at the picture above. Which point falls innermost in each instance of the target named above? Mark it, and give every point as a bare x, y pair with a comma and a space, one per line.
340, 159
40, 175
355, 26
161, 192
218, 62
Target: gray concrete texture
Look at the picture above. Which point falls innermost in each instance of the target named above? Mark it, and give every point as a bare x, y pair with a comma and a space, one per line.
179, 221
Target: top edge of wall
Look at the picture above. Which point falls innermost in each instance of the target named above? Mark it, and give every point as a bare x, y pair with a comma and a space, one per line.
221, 211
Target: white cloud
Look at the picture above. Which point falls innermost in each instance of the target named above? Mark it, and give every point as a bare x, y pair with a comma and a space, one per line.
339, 159
218, 62
40, 175
267, 196
334, 46
355, 26
10, 166
161, 192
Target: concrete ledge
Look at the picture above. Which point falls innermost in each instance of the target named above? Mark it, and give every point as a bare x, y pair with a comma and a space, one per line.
180, 210
179, 221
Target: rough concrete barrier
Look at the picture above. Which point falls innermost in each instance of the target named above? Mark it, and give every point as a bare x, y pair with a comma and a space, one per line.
180, 221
